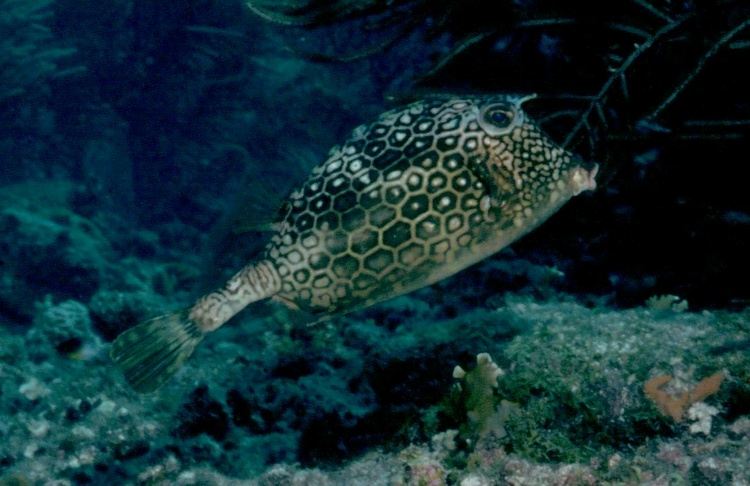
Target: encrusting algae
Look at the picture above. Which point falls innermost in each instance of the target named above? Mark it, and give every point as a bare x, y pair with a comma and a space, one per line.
419, 194
676, 406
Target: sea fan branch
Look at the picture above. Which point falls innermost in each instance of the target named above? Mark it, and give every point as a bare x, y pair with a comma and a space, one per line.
698, 68
618, 74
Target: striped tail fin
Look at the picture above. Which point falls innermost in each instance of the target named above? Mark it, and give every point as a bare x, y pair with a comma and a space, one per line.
150, 353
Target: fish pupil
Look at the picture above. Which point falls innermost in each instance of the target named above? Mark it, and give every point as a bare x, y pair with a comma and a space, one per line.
499, 118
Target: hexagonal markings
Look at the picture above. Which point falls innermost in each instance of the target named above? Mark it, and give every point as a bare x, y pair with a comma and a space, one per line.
355, 146
312, 186
417, 145
319, 203
461, 181
446, 143
363, 241
415, 206
302, 276
455, 222
381, 216
345, 201
459, 105
333, 165
309, 239
436, 181
357, 164
465, 239
470, 144
375, 147
404, 119
399, 137
440, 247
345, 266
449, 122
328, 221
305, 294
286, 239
353, 219
394, 195
428, 228
341, 290
365, 179
322, 300
414, 181
394, 274
365, 281
337, 184
379, 130
379, 260
435, 108
477, 219
427, 160
453, 162
411, 254
386, 159
469, 202
444, 202
280, 267
397, 234
294, 257
370, 199
336, 242
304, 221
321, 281
319, 261
424, 125
295, 201
396, 170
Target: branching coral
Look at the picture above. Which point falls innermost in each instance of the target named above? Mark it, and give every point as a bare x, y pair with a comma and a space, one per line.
27, 54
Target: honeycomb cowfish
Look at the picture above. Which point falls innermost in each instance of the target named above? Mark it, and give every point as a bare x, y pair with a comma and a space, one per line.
424, 191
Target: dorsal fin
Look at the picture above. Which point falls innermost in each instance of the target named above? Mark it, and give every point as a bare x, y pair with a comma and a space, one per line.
257, 209
262, 204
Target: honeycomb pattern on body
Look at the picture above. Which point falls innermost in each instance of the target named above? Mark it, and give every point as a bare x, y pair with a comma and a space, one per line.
406, 201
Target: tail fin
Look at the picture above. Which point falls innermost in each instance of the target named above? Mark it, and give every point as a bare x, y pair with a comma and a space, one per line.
151, 352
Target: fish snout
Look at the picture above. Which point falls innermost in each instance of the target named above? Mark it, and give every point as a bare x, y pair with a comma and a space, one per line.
584, 179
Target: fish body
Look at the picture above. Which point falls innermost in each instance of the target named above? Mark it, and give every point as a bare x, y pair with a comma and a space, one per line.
414, 197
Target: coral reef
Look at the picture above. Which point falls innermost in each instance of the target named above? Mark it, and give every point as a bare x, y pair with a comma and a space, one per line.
65, 327
49, 248
232, 414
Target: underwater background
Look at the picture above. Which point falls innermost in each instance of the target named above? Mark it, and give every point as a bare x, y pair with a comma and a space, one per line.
609, 346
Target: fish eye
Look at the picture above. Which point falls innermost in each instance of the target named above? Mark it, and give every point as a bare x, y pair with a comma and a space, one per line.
499, 118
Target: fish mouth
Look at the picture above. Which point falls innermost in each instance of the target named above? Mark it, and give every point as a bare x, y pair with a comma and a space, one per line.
583, 178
